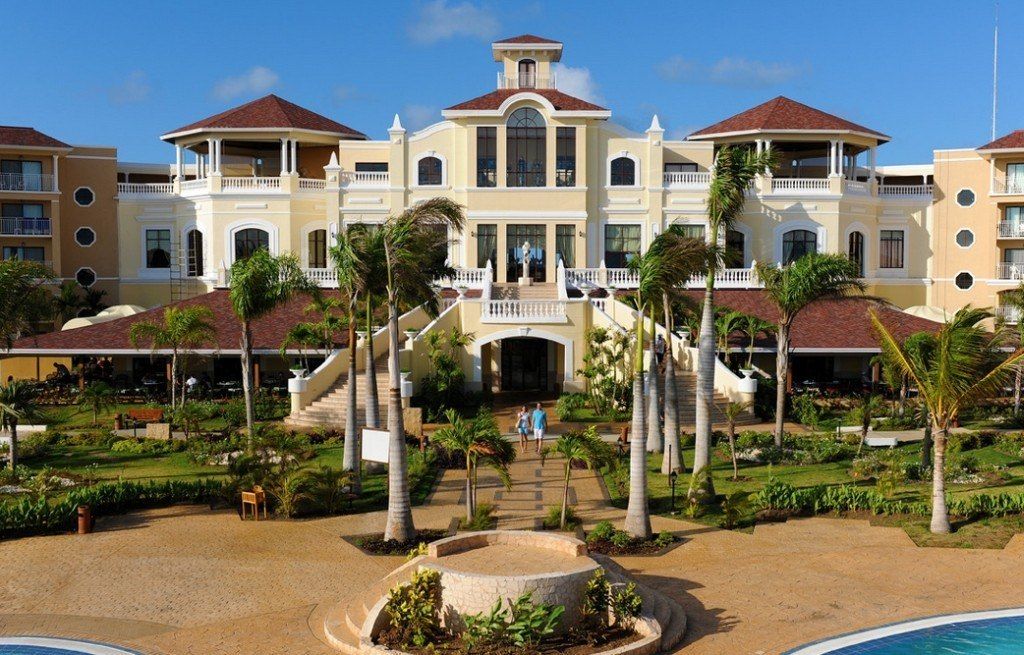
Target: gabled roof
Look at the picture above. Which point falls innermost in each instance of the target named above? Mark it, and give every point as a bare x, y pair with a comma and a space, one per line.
29, 137
783, 114
494, 99
1012, 141
529, 39
269, 112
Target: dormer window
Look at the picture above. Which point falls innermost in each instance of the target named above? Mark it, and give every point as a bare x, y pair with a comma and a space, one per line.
527, 74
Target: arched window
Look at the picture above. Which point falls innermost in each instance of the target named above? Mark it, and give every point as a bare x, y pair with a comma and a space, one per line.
429, 172
735, 255
527, 74
856, 251
194, 245
317, 253
525, 148
797, 243
623, 172
250, 240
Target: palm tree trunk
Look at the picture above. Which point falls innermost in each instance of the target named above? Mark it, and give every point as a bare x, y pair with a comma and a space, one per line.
399, 523
1016, 391
469, 489
781, 371
903, 398
13, 454
940, 514
372, 401
174, 377
732, 450
351, 455
250, 414
565, 493
705, 386
672, 460
750, 351
654, 430
926, 443
638, 518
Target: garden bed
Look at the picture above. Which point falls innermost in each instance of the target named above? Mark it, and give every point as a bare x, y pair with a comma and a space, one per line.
605, 539
375, 544
576, 643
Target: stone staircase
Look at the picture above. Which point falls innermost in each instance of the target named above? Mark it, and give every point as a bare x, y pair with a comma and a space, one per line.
687, 385
532, 292
329, 409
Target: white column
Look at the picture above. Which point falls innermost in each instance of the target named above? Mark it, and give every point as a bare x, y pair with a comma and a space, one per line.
284, 156
295, 158
872, 162
209, 157
758, 146
831, 158
199, 165
178, 162
992, 175
767, 144
56, 185
218, 150
839, 158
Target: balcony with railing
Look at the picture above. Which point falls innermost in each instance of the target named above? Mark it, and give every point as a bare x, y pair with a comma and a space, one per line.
525, 81
367, 179
1011, 230
24, 227
250, 184
1012, 187
801, 185
585, 279
29, 183
909, 190
145, 188
1008, 313
1010, 271
683, 181
523, 311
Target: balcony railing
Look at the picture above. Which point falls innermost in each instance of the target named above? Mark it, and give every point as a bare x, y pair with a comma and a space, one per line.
688, 180
365, 178
523, 311
526, 179
323, 277
905, 190
29, 227
1013, 187
470, 278
1009, 313
623, 278
525, 81
859, 188
311, 184
800, 185
193, 185
1011, 230
1010, 271
248, 184
30, 182
145, 188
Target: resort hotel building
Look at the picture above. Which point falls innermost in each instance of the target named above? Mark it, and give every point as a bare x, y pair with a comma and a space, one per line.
554, 192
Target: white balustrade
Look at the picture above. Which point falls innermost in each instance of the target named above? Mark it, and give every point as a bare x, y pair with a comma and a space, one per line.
323, 277
622, 278
1011, 230
1009, 313
1013, 187
471, 278
246, 184
728, 278
145, 188
583, 278
688, 180
309, 184
800, 185
193, 185
365, 178
27, 182
600, 303
523, 311
857, 187
526, 81
905, 190
1010, 271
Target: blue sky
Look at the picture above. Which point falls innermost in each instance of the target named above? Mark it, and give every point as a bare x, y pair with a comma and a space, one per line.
918, 71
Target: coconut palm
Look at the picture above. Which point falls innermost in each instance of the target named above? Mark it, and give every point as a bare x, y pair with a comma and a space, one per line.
732, 412
753, 326
17, 404
725, 325
374, 289
1014, 298
415, 244
329, 323
671, 259
793, 287
349, 269
96, 397
181, 330
481, 443
871, 405
259, 284
67, 302
21, 305
303, 336
734, 170
961, 366
583, 446
672, 459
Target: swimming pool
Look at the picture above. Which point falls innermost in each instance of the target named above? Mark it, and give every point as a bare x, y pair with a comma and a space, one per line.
999, 632
55, 646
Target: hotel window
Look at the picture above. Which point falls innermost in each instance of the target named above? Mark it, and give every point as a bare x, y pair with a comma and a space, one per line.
158, 248
317, 244
536, 236
371, 167
735, 249
565, 156
21, 210
85, 276
429, 173
1014, 215
565, 245
487, 248
797, 243
527, 74
856, 251
194, 242
623, 172
692, 231
1015, 177
525, 149
249, 241
680, 167
21, 175
621, 244
890, 251
25, 253
486, 156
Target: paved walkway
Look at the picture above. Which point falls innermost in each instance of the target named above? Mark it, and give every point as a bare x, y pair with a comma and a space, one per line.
187, 580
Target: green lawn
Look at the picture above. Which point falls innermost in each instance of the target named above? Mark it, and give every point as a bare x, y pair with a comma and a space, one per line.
982, 533
73, 417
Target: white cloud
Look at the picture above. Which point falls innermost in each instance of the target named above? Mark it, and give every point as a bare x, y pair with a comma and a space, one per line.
440, 20
730, 71
135, 88
343, 94
258, 79
415, 117
577, 82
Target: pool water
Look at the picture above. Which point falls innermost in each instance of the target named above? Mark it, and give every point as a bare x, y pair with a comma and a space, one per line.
983, 633
55, 646
18, 649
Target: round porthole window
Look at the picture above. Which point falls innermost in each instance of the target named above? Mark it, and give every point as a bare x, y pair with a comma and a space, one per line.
85, 236
964, 281
84, 196
965, 238
965, 197
86, 277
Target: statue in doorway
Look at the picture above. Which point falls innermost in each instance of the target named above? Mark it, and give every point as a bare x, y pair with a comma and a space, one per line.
526, 263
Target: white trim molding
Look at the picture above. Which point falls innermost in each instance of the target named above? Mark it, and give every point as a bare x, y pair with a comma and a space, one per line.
273, 236
637, 176
788, 226
476, 374
416, 169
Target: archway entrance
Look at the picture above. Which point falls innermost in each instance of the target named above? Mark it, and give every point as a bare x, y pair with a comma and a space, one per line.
524, 365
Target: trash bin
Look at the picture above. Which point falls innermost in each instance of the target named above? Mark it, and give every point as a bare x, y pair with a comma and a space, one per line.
85, 520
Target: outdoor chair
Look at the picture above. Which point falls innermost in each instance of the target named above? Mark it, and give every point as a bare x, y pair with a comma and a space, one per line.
254, 499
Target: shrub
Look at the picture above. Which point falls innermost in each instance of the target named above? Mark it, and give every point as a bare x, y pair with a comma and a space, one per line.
621, 539
1011, 444
554, 518
531, 622
569, 404
594, 607
603, 531
961, 441
734, 506
483, 518
806, 411
626, 605
415, 610
664, 539
146, 446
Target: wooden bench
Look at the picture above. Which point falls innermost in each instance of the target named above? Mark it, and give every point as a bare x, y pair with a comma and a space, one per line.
254, 499
146, 415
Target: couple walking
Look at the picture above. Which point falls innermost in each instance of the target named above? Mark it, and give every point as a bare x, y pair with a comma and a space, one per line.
537, 420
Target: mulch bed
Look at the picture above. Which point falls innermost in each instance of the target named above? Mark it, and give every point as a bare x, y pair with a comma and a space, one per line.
634, 547
375, 544
564, 645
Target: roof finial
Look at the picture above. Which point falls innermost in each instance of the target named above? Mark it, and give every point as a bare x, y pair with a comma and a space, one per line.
396, 124
655, 125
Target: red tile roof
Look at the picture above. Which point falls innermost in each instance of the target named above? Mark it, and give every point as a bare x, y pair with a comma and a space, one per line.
528, 38
268, 332
561, 101
271, 112
1010, 141
781, 113
28, 136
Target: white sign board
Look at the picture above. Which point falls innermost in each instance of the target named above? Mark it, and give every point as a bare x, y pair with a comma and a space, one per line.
376, 445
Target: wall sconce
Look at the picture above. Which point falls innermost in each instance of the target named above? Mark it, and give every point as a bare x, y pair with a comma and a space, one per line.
582, 233
472, 233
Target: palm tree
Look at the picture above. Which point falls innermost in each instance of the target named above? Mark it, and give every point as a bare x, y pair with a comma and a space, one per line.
415, 245
732, 412
96, 397
734, 170
330, 323
1015, 298
725, 325
374, 289
182, 330
961, 366
17, 403
67, 302
672, 459
753, 326
302, 335
20, 308
349, 268
871, 406
793, 287
259, 284
671, 259
579, 446
480, 442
